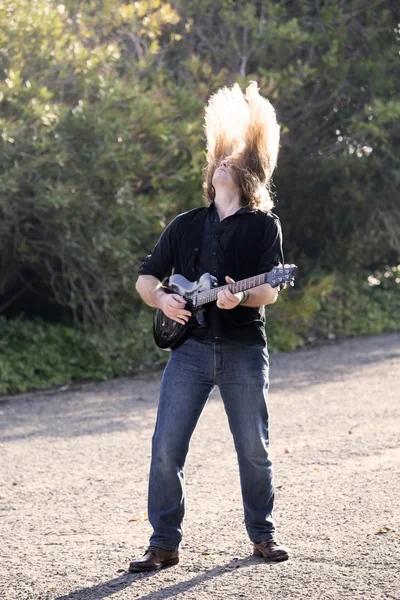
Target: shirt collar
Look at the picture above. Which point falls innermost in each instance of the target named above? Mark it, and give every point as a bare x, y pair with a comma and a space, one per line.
244, 209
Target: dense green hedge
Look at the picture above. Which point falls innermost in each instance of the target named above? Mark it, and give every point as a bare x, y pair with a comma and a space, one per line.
336, 306
36, 354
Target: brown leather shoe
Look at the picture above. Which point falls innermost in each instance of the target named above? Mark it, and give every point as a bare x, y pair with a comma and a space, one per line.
271, 550
154, 559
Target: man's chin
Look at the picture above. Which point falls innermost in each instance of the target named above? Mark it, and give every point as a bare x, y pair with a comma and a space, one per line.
223, 179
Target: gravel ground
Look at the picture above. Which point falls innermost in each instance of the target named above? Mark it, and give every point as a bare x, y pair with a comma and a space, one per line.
74, 487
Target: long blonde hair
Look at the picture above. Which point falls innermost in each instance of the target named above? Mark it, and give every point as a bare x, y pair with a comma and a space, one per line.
244, 127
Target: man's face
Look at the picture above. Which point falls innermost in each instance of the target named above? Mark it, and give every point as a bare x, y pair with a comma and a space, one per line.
223, 174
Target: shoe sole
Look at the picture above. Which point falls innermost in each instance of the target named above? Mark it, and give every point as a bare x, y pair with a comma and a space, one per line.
165, 565
269, 558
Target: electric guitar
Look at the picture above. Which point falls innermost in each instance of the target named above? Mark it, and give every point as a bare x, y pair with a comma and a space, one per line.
169, 334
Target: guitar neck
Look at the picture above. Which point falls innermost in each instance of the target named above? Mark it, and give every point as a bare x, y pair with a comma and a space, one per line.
238, 286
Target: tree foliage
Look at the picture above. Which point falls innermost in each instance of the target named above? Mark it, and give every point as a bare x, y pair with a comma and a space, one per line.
102, 142
93, 151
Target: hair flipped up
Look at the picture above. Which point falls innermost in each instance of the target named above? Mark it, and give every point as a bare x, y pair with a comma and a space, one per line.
244, 127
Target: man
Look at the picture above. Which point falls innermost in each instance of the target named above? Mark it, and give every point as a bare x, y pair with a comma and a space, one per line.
234, 238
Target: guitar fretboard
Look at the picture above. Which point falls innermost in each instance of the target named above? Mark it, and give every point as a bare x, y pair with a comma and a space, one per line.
238, 286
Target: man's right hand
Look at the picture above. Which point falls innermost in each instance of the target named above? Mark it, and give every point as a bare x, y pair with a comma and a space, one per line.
173, 307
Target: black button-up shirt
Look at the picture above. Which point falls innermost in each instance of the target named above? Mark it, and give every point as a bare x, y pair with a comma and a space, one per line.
209, 257
216, 235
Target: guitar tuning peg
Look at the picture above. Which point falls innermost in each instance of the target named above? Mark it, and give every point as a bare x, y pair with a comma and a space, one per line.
292, 284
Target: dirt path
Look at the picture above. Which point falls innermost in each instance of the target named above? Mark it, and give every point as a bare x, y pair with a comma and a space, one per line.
74, 468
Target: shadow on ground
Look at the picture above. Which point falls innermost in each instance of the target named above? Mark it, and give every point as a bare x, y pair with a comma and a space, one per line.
126, 580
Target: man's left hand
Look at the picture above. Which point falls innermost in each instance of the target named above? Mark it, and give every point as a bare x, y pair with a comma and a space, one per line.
227, 300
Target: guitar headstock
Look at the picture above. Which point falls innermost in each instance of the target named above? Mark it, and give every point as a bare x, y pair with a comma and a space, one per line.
282, 274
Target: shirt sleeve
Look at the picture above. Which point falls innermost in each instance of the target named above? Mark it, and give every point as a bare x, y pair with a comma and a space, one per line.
160, 262
272, 251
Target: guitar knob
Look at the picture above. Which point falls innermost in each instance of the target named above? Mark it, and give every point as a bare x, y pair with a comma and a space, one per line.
164, 334
163, 323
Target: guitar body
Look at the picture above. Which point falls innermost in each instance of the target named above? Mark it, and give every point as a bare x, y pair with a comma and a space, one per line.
169, 334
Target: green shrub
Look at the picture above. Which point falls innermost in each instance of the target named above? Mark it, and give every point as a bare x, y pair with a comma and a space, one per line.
361, 305
335, 306
35, 354
290, 318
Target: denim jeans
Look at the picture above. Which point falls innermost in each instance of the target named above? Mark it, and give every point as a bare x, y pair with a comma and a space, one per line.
193, 369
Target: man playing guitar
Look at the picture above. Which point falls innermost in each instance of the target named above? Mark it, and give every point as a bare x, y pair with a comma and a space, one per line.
234, 237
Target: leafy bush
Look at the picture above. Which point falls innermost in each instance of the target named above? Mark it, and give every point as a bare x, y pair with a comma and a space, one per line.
35, 354
96, 158
337, 306
359, 306
289, 319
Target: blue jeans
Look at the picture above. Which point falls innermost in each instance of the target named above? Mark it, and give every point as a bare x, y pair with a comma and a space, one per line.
241, 373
